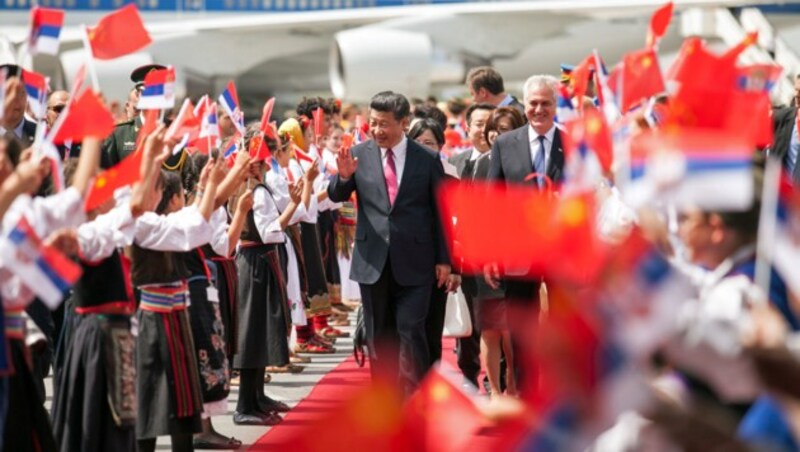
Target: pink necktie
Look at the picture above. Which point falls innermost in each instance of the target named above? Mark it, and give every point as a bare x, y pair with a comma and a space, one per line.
390, 173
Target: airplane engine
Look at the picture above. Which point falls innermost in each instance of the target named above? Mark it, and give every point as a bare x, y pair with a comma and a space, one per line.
365, 61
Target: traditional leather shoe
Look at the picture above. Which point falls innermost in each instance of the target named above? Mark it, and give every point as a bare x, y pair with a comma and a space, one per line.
274, 406
255, 419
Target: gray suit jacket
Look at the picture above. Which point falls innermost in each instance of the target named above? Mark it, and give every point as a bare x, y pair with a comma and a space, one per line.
511, 158
408, 233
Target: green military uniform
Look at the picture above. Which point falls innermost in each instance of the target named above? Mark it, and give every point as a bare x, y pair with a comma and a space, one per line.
122, 142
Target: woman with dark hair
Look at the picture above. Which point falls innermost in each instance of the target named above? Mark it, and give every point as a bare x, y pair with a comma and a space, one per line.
502, 120
428, 133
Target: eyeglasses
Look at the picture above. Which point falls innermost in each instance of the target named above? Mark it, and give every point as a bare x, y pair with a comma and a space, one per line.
57, 108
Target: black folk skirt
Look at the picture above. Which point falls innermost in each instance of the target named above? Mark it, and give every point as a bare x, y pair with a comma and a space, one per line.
167, 383
209, 342
318, 299
95, 408
263, 310
227, 283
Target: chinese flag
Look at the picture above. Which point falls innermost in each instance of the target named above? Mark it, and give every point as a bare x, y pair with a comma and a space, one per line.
733, 53
754, 126
258, 148
86, 117
126, 172
580, 78
119, 33
440, 417
659, 23
591, 131
531, 229
641, 77
301, 155
695, 65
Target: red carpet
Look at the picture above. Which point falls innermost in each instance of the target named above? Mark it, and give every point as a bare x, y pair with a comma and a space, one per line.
336, 387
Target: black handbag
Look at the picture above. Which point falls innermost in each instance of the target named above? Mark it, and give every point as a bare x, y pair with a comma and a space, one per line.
360, 338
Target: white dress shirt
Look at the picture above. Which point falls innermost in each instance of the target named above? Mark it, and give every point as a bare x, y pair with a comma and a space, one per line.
399, 151
16, 130
533, 136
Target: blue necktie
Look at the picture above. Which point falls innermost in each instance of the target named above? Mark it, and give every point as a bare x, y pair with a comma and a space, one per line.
538, 163
790, 160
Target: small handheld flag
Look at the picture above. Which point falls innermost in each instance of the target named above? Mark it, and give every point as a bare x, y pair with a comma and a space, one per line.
46, 24
118, 34
230, 152
36, 88
659, 23
44, 270
319, 118
229, 101
85, 116
159, 90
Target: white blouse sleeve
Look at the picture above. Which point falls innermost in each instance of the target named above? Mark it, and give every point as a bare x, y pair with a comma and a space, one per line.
265, 215
47, 214
219, 226
280, 191
99, 238
183, 230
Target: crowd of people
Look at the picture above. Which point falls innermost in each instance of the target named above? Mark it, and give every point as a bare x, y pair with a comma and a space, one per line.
217, 268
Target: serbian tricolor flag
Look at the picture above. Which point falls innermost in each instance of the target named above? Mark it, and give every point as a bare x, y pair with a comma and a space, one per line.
85, 116
46, 24
564, 109
758, 77
36, 88
709, 170
118, 34
159, 90
229, 101
44, 270
230, 152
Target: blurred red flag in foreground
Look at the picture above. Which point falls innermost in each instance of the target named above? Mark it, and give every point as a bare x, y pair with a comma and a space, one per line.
517, 227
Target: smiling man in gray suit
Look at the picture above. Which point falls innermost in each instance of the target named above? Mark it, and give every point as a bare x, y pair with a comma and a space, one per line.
399, 248
529, 155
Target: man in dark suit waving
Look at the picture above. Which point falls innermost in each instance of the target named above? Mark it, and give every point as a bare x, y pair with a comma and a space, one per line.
530, 155
399, 250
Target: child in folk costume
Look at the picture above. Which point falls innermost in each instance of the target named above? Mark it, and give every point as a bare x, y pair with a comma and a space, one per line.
204, 313
27, 426
344, 224
298, 280
263, 316
168, 385
95, 408
306, 244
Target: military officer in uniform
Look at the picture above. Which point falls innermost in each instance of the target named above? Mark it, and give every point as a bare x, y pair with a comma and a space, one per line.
122, 142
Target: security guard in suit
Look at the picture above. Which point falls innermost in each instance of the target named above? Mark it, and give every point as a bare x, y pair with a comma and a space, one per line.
122, 141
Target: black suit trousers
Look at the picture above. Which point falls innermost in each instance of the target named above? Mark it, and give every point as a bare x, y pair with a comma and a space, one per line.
434, 323
395, 319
